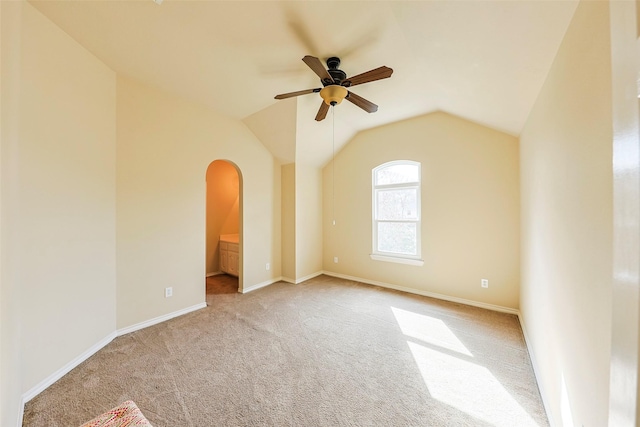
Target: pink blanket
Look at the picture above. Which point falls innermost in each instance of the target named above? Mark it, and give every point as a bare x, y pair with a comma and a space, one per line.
124, 415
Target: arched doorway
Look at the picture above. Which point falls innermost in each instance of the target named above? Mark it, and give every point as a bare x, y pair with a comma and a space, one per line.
223, 228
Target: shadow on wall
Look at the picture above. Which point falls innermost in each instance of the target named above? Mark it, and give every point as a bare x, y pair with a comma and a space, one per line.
224, 186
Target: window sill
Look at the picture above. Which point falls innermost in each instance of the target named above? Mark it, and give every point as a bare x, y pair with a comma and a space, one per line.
398, 260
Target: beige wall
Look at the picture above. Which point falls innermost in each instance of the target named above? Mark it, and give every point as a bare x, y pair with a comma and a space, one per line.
308, 189
567, 224
10, 347
64, 113
276, 218
165, 145
60, 230
470, 208
279, 139
289, 222
65, 172
223, 215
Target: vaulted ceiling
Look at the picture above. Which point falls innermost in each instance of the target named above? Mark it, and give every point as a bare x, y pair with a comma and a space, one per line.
482, 60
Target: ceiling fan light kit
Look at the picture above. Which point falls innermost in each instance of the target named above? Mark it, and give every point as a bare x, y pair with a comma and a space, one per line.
335, 84
333, 94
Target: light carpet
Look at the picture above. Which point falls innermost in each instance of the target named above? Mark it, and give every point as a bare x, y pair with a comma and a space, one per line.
327, 352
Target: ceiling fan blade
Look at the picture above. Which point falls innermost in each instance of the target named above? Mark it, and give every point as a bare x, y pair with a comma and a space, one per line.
316, 65
299, 30
322, 112
370, 76
298, 93
367, 106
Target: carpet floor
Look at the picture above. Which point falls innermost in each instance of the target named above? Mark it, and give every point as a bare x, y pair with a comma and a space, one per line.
326, 352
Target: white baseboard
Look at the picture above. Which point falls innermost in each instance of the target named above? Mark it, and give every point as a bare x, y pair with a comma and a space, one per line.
307, 277
159, 319
302, 279
21, 411
536, 371
281, 279
261, 285
42, 385
426, 293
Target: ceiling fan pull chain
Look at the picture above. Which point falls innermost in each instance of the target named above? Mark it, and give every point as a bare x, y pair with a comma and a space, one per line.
333, 163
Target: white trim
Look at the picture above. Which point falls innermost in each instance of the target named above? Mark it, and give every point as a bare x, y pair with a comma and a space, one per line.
396, 259
426, 293
536, 372
282, 279
375, 189
21, 411
309, 276
260, 285
215, 273
302, 279
42, 385
159, 319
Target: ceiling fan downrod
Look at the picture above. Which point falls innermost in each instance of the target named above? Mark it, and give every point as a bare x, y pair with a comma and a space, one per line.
338, 75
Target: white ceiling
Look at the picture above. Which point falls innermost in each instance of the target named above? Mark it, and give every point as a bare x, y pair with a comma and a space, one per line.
482, 60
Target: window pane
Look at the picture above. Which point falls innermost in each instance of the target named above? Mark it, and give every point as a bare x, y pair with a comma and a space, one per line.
397, 174
397, 237
397, 204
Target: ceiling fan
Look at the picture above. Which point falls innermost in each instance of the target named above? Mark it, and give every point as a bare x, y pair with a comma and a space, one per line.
335, 84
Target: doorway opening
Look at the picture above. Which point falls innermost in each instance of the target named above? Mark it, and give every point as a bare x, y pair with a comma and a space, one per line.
223, 228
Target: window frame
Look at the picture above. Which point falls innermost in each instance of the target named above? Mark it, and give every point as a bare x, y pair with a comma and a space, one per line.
375, 188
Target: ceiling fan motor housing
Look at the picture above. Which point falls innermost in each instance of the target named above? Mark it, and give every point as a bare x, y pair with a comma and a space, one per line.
338, 75
333, 63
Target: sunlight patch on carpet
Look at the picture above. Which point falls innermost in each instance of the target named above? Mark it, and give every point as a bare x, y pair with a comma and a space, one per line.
455, 380
428, 329
469, 388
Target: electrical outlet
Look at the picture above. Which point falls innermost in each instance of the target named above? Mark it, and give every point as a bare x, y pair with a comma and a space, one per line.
268, 266
335, 259
484, 283
168, 292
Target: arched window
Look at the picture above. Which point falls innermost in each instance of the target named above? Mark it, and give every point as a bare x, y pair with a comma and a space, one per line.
396, 212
